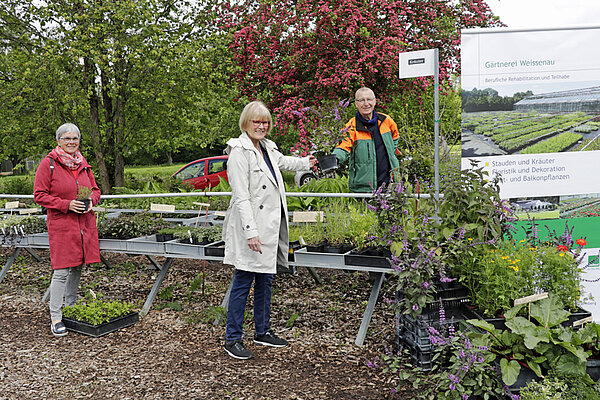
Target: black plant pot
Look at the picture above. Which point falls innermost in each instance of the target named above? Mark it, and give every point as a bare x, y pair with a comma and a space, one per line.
592, 367
86, 203
328, 163
164, 237
525, 377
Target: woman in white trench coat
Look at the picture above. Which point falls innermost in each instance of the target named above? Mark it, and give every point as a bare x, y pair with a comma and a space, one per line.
255, 228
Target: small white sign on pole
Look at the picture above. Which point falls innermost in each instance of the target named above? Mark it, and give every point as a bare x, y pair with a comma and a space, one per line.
417, 63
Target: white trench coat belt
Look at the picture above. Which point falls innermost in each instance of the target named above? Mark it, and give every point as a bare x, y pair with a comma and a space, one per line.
255, 206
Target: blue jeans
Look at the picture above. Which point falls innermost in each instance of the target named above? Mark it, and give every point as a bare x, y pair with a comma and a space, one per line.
242, 281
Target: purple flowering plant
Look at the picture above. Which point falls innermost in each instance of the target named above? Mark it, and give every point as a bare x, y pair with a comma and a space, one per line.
467, 370
463, 365
422, 251
321, 129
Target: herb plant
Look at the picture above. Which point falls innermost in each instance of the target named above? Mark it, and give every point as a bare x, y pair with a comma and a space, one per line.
128, 226
96, 311
83, 192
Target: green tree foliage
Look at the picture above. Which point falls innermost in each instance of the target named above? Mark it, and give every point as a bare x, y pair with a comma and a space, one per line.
489, 100
129, 73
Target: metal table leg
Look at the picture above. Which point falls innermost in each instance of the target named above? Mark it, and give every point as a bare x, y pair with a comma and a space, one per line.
153, 261
105, 261
46, 295
156, 287
10, 262
33, 254
314, 274
366, 320
224, 303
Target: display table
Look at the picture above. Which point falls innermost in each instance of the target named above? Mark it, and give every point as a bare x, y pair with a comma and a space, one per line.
172, 250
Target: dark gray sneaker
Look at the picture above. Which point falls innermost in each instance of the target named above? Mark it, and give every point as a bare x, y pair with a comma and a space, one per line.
270, 339
238, 350
59, 329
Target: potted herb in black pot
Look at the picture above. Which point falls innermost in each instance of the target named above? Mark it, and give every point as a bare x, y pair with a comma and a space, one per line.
83, 195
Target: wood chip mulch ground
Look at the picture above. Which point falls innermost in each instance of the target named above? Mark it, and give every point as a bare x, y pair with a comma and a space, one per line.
175, 352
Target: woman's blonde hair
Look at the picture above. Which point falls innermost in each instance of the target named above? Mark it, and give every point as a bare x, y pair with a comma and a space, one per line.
255, 110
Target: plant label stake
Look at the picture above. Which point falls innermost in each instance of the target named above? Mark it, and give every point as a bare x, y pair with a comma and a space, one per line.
583, 321
528, 300
200, 210
308, 216
162, 208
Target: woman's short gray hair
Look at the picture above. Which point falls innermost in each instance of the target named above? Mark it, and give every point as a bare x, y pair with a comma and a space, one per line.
67, 128
255, 110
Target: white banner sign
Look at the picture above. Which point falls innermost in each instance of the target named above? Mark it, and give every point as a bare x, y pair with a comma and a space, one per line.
531, 108
417, 63
542, 174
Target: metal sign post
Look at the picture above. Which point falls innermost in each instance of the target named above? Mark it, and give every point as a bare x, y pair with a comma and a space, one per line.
419, 63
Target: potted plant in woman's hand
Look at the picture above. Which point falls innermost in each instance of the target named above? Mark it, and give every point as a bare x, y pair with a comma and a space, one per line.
83, 194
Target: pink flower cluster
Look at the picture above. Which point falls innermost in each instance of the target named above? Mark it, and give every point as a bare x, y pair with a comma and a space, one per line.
302, 53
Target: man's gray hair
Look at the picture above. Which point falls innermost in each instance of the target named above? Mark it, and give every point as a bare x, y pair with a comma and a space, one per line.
364, 89
67, 128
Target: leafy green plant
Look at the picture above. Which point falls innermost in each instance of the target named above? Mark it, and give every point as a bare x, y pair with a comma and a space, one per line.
23, 225
83, 192
166, 293
560, 387
209, 316
95, 310
539, 343
291, 320
339, 184
498, 274
472, 201
206, 234
311, 233
128, 226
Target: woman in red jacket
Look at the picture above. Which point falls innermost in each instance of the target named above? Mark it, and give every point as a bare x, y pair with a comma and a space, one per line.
72, 230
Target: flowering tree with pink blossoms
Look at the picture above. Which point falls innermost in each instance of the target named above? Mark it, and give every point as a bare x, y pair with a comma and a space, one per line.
308, 53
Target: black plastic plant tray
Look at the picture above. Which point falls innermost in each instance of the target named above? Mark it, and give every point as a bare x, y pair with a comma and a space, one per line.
369, 258
102, 329
216, 249
576, 316
331, 249
315, 248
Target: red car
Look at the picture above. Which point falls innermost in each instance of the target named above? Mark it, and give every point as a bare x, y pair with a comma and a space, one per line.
204, 173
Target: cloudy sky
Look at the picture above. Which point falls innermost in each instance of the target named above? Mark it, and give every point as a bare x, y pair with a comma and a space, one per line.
546, 13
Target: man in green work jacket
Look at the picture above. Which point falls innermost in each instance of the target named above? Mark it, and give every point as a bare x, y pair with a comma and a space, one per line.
371, 145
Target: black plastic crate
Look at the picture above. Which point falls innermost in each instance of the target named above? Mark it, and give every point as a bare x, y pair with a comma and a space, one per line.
415, 332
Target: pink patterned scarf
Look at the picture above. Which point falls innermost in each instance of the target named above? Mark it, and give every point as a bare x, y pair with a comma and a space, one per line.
70, 161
